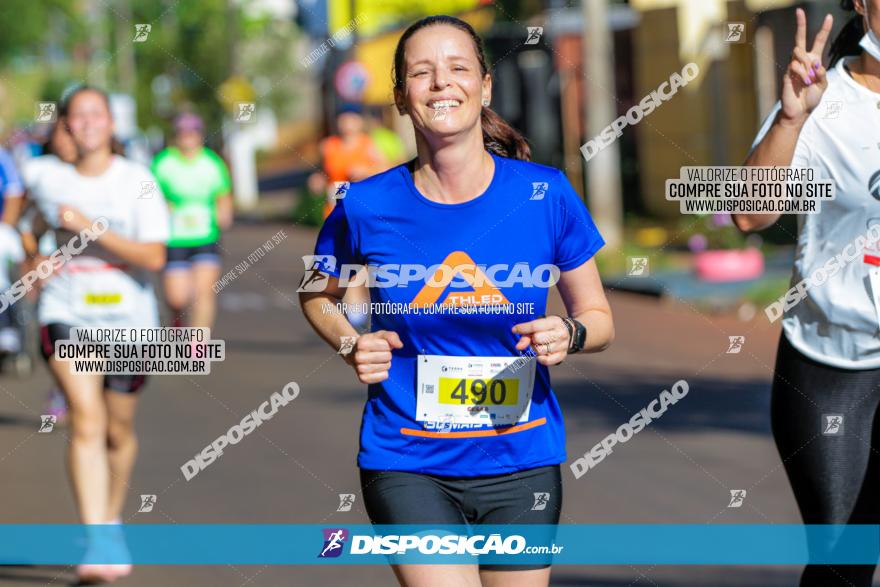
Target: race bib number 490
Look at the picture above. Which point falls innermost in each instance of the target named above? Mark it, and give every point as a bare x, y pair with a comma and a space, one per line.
474, 390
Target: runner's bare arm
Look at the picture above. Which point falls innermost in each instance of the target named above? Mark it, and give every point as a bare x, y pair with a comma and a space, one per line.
321, 311
776, 149
584, 298
371, 355
31, 231
150, 256
803, 84
225, 211
12, 207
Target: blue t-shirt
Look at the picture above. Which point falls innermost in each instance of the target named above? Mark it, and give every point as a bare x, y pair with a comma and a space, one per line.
10, 181
529, 215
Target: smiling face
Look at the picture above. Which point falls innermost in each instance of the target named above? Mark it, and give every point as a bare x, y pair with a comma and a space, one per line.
443, 82
89, 121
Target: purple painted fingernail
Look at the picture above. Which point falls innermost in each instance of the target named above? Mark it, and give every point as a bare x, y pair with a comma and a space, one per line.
809, 81
816, 66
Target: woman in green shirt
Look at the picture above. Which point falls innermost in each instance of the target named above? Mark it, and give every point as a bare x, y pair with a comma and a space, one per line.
196, 185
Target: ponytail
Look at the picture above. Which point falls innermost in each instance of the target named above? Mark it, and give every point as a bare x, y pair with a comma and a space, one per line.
498, 136
847, 41
501, 138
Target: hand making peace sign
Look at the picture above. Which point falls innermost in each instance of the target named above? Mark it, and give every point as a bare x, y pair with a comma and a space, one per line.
805, 78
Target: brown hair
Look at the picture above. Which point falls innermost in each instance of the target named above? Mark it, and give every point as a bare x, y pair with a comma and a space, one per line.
847, 40
498, 136
116, 147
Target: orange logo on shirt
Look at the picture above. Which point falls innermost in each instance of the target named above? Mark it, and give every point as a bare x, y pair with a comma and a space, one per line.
459, 264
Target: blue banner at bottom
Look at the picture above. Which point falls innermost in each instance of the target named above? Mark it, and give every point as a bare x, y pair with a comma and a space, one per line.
569, 544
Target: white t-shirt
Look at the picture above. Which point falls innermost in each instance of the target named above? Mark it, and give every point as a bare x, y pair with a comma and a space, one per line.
96, 288
34, 172
838, 323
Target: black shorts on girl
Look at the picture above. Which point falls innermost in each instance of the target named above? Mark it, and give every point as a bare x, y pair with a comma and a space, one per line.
51, 333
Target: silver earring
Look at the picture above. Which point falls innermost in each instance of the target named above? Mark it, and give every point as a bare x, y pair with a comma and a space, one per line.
485, 101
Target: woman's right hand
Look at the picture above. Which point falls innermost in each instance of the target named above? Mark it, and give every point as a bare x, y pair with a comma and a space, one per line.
805, 78
371, 356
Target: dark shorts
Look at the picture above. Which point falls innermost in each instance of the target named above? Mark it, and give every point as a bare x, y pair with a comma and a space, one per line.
397, 497
50, 333
186, 257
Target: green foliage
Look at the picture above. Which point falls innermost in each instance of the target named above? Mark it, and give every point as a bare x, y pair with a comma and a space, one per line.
192, 43
309, 210
767, 290
27, 27
717, 229
196, 46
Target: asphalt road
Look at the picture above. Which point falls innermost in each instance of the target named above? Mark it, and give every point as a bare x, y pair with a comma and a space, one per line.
291, 469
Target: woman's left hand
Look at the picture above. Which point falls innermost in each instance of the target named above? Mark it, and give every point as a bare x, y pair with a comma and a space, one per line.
72, 219
547, 336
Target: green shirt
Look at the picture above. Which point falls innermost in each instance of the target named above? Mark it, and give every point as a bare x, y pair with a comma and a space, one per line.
191, 187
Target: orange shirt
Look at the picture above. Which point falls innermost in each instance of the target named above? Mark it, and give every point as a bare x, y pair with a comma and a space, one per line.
340, 158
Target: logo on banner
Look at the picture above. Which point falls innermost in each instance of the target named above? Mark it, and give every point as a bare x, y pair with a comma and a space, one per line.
334, 540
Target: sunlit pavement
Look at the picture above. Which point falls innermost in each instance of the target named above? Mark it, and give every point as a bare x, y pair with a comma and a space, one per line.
680, 469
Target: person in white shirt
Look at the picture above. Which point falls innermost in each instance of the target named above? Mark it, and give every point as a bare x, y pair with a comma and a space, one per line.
106, 285
826, 387
11, 254
57, 151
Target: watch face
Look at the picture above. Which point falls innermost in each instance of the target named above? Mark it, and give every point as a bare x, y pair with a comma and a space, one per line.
580, 335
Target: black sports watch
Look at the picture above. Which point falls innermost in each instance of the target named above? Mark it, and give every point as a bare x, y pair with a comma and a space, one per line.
577, 334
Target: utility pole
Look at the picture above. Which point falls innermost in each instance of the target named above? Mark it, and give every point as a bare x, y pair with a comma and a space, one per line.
600, 109
97, 66
125, 62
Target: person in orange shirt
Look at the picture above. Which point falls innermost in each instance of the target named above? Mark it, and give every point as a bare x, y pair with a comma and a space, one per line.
350, 155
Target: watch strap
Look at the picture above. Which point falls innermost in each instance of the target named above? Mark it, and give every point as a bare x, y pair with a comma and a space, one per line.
576, 344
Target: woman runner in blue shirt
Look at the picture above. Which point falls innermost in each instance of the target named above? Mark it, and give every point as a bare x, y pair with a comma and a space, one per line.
461, 425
